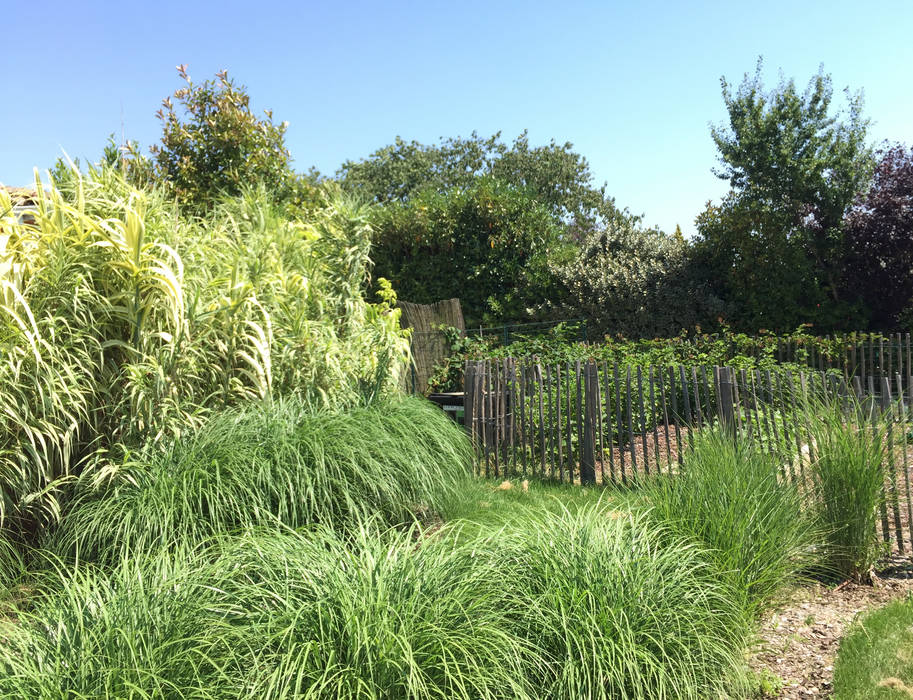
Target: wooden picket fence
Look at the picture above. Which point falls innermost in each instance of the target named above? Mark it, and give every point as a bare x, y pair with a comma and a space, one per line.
595, 423
863, 355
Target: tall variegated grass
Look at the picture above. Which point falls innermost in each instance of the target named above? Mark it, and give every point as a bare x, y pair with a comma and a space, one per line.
122, 323
732, 499
395, 460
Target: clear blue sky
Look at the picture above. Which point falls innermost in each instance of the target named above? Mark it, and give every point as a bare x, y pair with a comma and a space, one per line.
633, 85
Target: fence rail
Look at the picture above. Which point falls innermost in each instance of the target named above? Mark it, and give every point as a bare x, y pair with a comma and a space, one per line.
591, 422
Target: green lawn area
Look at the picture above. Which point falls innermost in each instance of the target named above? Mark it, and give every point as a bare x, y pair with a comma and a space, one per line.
876, 657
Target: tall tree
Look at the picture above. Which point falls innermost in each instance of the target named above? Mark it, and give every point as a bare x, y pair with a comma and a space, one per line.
880, 242
794, 169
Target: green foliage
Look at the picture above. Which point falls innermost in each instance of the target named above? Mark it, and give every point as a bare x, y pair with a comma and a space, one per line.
631, 281
146, 629
600, 604
874, 661
215, 146
880, 244
375, 616
488, 244
730, 498
122, 322
12, 565
620, 609
555, 176
848, 450
690, 349
274, 462
463, 346
794, 170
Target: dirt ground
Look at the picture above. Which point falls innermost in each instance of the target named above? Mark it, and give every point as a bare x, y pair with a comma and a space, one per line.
799, 642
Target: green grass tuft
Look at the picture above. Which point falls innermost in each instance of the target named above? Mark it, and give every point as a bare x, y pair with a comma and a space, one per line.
849, 453
731, 499
374, 615
276, 463
11, 565
619, 609
147, 629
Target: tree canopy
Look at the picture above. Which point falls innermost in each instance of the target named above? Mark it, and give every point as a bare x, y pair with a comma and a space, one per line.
794, 168
487, 243
554, 174
880, 241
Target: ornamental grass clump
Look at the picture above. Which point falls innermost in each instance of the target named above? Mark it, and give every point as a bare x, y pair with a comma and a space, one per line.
848, 462
280, 462
731, 498
146, 629
619, 608
373, 614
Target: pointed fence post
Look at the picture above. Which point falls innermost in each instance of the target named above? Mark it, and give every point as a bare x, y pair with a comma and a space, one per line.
590, 420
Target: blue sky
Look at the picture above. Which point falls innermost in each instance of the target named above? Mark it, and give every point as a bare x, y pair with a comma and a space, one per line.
634, 86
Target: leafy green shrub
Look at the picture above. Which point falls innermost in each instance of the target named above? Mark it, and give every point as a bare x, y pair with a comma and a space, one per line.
618, 608
373, 615
488, 244
146, 629
631, 281
270, 463
730, 498
849, 450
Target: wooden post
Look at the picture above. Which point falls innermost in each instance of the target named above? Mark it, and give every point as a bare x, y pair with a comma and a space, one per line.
539, 382
551, 423
675, 416
578, 413
901, 417
608, 421
643, 420
727, 404
630, 424
654, 419
570, 411
662, 395
888, 415
558, 423
590, 419
620, 414
468, 379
